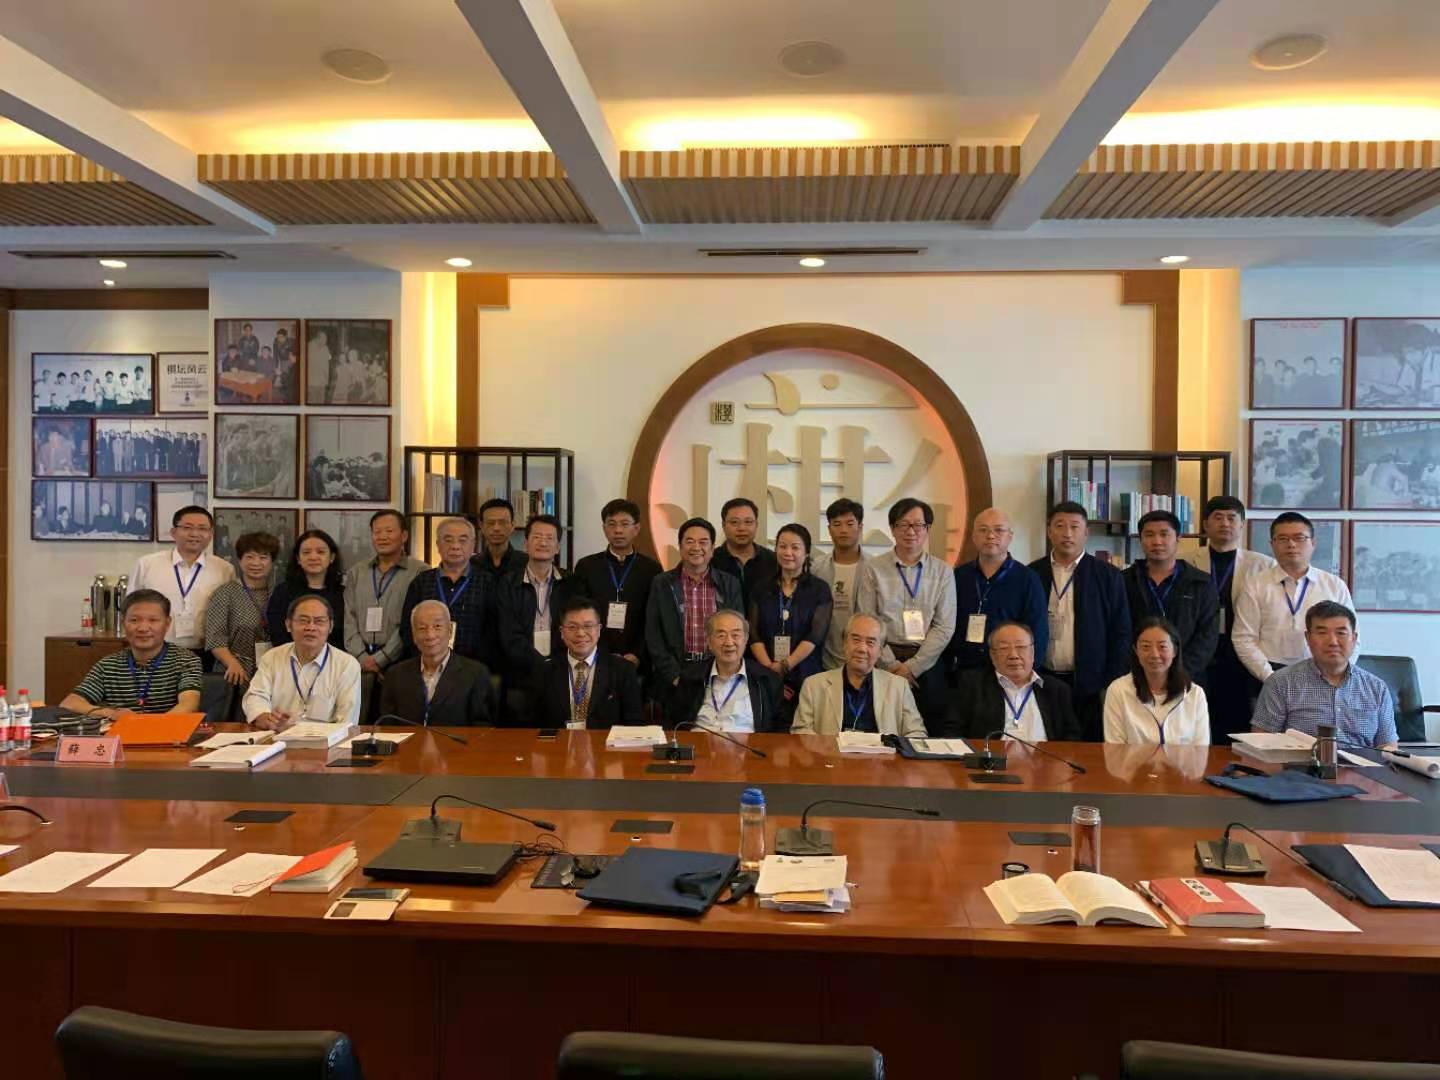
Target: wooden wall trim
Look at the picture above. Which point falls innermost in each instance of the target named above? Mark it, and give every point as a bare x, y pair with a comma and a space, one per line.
1161, 290
110, 299
472, 292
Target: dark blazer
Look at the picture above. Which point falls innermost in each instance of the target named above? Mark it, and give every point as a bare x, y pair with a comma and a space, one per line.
978, 708
515, 604
761, 568
594, 572
762, 683
614, 693
462, 696
1102, 623
1193, 607
665, 627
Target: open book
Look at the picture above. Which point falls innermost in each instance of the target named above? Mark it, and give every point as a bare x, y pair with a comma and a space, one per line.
1078, 897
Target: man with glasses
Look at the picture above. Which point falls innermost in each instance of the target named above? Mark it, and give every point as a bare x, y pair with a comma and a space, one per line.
681, 601
186, 576
467, 591
729, 690
1270, 611
439, 687
857, 696
991, 589
912, 593
307, 678
619, 579
587, 687
1010, 695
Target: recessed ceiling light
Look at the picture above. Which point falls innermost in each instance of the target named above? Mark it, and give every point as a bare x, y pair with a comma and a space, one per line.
109, 283
1172, 259
1289, 51
808, 59
113, 264
356, 65
812, 261
459, 262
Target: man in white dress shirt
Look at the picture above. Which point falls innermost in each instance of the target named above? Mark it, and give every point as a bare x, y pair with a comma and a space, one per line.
187, 576
306, 679
1270, 611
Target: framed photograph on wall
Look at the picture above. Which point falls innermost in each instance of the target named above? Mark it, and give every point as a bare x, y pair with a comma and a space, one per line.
1297, 464
92, 384
182, 382
1395, 465
257, 456
1297, 364
347, 361
170, 497
92, 510
347, 458
233, 522
1329, 542
60, 446
350, 529
1396, 565
1397, 363
172, 449
257, 361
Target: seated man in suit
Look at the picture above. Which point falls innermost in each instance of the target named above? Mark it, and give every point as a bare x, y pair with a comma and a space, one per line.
588, 687
1010, 695
732, 692
858, 696
439, 686
151, 675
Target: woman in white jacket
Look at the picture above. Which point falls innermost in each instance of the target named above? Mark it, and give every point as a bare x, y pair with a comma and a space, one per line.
1156, 702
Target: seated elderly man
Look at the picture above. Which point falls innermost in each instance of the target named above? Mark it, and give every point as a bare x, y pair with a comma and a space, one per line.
439, 686
858, 696
731, 692
150, 675
305, 679
1327, 688
1009, 695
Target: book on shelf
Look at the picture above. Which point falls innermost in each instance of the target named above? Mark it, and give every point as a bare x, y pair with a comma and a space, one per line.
1093, 495
1077, 897
442, 493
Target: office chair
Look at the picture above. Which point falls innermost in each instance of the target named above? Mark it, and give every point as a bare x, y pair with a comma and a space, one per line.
612, 1055
1144, 1060
217, 697
101, 1044
1400, 675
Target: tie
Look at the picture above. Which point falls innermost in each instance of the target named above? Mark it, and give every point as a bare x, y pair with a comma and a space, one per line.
582, 691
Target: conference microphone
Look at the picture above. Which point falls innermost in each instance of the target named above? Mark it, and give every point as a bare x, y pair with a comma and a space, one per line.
437, 828
992, 762
674, 751
25, 810
369, 746
807, 841
1223, 857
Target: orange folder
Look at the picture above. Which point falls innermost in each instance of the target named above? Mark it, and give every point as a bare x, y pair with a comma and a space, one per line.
155, 729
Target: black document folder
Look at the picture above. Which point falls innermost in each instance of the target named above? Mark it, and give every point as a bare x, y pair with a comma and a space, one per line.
644, 879
1337, 864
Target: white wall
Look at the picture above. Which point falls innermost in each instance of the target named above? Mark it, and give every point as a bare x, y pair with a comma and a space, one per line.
1407, 291
1042, 362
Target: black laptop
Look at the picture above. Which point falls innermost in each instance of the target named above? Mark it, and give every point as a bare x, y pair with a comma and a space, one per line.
451, 862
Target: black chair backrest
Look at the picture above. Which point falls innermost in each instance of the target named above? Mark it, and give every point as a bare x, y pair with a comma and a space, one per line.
215, 697
1143, 1060
1400, 675
611, 1055
102, 1044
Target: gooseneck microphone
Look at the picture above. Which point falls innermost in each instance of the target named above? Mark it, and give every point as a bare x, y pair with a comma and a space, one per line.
998, 760
413, 723
25, 810
1223, 857
807, 841
694, 725
437, 828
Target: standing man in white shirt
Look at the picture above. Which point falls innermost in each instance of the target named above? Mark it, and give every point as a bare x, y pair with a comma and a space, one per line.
1270, 611
307, 678
187, 576
846, 521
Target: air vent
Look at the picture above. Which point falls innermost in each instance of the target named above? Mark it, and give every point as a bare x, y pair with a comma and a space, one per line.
802, 252
128, 256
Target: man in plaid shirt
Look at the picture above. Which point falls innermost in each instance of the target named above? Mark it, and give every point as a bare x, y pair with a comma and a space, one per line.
468, 592
681, 600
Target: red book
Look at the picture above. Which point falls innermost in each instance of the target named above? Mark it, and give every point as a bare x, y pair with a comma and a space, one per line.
1194, 901
319, 872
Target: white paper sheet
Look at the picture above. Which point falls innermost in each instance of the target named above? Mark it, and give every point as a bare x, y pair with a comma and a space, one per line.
244, 875
157, 868
5, 849
801, 873
635, 737
235, 738
1406, 874
58, 870
1288, 907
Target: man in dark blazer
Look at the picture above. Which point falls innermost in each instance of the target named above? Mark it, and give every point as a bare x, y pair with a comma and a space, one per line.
728, 690
439, 687
1089, 616
675, 631
585, 686
520, 596
1011, 695
1161, 584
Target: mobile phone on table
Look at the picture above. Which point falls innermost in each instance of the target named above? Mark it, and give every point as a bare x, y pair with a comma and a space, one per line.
548, 733
396, 895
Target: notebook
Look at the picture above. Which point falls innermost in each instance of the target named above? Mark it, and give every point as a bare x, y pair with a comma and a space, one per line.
238, 756
644, 879
319, 872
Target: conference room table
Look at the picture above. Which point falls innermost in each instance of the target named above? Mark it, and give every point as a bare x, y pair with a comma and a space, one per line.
484, 981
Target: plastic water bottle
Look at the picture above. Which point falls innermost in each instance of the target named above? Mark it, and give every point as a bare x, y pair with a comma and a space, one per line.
20, 721
752, 828
87, 615
7, 741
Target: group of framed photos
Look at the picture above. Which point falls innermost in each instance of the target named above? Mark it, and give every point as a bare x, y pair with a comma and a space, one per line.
1389, 565
259, 362
1324, 464
1379, 363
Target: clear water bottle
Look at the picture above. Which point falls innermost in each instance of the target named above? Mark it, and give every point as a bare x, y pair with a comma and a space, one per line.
752, 828
1085, 838
7, 741
87, 615
20, 714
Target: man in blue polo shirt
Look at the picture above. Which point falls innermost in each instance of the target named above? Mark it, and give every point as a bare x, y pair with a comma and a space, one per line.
992, 589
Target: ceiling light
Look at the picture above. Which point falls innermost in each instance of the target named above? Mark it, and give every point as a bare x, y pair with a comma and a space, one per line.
1171, 260
109, 283
1289, 51
459, 262
113, 264
812, 261
356, 65
809, 59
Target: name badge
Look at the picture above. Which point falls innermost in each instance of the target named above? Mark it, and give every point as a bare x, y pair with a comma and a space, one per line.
542, 642
89, 750
615, 616
184, 626
1221, 620
975, 630
374, 620
452, 635
575, 725
782, 648
913, 619
261, 648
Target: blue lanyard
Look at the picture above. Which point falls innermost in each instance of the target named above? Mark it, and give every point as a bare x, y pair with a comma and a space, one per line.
185, 589
424, 686
1016, 710
1160, 724
259, 611
459, 591
1161, 597
919, 572
983, 587
382, 583
786, 603
295, 674
1299, 600
1221, 582
619, 583
734, 685
144, 691
855, 701
1060, 593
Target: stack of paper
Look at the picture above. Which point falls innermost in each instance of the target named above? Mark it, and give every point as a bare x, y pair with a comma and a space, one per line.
244, 875
863, 742
1289, 907
314, 735
635, 737
235, 738
238, 756
954, 747
1406, 875
804, 883
1292, 745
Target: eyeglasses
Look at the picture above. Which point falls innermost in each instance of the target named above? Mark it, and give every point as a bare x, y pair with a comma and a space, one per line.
580, 627
192, 528
311, 620
909, 527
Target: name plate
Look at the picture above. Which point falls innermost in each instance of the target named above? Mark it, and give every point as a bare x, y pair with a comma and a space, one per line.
89, 750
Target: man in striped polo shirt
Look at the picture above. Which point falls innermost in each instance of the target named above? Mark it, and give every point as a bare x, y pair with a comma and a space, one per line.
151, 675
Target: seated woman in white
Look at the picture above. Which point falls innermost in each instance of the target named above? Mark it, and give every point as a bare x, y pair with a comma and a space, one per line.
1156, 702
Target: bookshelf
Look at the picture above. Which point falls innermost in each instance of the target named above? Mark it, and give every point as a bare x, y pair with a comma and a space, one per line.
453, 481
1196, 474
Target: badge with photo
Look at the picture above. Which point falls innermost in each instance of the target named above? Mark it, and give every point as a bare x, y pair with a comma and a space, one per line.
257, 361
